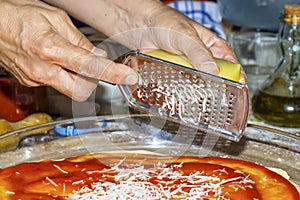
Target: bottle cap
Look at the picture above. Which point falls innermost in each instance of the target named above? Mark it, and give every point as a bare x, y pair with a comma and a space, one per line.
291, 14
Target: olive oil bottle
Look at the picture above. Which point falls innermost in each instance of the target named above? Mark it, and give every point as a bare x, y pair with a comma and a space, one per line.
277, 100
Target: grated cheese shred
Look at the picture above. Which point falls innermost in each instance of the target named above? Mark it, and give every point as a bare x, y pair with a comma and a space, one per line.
188, 102
136, 182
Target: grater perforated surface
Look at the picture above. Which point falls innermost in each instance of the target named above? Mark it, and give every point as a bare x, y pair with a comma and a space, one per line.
187, 96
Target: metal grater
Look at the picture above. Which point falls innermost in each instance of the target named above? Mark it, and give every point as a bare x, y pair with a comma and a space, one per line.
193, 98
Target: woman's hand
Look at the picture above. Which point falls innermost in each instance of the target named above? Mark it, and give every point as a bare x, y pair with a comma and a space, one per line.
149, 24
180, 35
40, 46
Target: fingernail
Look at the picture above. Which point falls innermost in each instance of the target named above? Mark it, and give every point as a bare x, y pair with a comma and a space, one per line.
99, 52
243, 77
131, 79
210, 67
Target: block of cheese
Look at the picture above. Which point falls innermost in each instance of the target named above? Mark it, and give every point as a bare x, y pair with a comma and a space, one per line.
228, 70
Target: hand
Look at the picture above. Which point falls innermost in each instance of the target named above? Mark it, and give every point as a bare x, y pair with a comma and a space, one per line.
187, 37
149, 24
40, 46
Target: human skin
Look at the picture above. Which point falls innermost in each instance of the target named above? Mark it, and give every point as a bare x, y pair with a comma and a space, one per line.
41, 46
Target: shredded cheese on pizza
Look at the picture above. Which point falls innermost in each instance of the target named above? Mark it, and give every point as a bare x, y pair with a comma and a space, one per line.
125, 176
137, 182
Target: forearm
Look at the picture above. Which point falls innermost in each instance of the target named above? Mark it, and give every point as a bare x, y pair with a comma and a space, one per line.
109, 16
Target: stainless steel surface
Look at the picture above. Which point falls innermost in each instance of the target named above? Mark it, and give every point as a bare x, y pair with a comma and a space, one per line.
187, 96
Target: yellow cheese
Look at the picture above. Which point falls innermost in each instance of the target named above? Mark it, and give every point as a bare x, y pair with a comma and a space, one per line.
228, 70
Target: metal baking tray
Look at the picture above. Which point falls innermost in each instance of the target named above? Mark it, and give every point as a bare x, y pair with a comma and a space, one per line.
78, 136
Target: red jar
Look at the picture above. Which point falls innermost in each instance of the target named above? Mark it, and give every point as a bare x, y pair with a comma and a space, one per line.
18, 101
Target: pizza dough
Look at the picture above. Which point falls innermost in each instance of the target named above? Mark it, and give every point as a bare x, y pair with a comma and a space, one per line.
143, 176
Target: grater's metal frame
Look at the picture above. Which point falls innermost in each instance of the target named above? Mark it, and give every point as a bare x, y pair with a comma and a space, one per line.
227, 105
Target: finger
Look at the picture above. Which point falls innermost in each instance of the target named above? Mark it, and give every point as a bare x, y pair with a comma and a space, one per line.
68, 83
197, 52
81, 61
218, 47
79, 87
99, 52
25, 80
22, 77
189, 42
72, 34
221, 49
83, 87
109, 71
243, 76
73, 85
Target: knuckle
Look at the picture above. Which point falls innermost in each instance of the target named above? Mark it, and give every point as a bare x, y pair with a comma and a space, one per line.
46, 49
28, 71
61, 13
37, 75
90, 67
62, 16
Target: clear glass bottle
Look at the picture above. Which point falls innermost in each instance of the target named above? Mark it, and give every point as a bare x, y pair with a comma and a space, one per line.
277, 100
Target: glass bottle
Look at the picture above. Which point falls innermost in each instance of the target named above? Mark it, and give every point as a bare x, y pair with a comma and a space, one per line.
277, 100
18, 101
